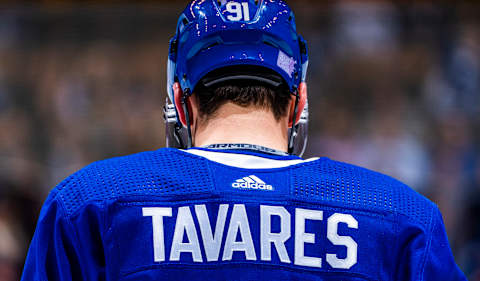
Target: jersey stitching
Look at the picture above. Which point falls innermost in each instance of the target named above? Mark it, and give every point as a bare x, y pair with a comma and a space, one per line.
70, 224
396, 231
266, 202
429, 243
103, 235
288, 267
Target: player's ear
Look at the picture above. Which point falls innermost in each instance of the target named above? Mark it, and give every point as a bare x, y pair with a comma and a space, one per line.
178, 96
303, 93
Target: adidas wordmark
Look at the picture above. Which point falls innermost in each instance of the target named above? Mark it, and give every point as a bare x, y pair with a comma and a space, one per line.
251, 182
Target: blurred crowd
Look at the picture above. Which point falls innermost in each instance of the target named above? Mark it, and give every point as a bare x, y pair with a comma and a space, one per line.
393, 87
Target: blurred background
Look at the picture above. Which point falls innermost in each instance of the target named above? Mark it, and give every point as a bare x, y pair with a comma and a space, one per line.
394, 87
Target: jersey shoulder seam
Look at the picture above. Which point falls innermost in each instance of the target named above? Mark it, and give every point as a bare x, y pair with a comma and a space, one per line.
432, 225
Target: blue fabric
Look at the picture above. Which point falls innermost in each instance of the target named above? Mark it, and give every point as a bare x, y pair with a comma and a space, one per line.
98, 224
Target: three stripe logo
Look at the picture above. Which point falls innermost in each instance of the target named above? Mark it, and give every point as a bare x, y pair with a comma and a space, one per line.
252, 182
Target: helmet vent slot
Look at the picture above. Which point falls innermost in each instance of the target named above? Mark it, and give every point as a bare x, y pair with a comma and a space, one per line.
277, 44
211, 45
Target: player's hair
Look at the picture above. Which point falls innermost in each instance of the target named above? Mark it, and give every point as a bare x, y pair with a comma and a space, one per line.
244, 94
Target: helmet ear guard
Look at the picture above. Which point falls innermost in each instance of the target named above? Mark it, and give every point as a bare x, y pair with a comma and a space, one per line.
300, 134
175, 133
178, 118
302, 102
180, 103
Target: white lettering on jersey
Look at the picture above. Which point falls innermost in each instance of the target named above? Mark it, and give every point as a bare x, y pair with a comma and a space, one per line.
186, 225
301, 237
347, 241
239, 222
239, 225
278, 239
211, 242
157, 215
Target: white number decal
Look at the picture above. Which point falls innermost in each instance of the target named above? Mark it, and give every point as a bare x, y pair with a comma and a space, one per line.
236, 8
246, 11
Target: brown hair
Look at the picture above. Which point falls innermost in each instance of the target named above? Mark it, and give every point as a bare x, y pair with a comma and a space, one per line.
243, 93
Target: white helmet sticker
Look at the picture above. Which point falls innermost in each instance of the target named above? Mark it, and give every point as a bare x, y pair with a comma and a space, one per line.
286, 63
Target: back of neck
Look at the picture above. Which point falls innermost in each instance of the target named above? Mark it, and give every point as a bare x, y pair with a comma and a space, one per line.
236, 124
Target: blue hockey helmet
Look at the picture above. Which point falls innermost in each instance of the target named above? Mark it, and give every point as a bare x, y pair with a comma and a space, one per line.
244, 35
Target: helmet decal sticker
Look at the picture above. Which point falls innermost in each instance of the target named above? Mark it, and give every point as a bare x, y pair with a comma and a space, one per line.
286, 63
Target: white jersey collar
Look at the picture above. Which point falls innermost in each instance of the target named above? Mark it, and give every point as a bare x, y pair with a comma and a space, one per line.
245, 161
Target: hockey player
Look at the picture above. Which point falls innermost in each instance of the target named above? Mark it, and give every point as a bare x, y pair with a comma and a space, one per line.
230, 200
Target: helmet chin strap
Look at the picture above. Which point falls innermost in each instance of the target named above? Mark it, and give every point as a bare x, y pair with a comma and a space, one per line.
185, 97
178, 135
293, 132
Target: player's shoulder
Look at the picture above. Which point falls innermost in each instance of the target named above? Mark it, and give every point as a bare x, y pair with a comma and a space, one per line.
146, 174
357, 187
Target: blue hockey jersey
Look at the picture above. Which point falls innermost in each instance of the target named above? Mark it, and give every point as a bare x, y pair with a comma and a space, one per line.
235, 215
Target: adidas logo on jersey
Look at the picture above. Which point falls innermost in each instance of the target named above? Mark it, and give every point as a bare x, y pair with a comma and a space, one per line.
251, 182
